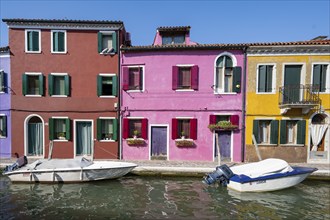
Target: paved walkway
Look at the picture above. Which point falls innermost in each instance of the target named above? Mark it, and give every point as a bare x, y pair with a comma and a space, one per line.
194, 168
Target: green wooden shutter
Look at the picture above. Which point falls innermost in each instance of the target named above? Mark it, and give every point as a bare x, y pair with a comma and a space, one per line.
274, 132
262, 78
269, 79
67, 85
301, 132
99, 42
283, 138
115, 129
50, 84
35, 40
317, 77
323, 78
114, 42
55, 41
41, 85
29, 41
67, 129
4, 126
256, 130
114, 86
99, 129
99, 85
51, 128
60, 41
24, 84
237, 74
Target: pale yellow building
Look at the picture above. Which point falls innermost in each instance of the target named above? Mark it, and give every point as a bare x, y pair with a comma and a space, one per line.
288, 101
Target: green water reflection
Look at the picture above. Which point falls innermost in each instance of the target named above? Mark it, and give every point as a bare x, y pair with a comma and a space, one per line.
134, 197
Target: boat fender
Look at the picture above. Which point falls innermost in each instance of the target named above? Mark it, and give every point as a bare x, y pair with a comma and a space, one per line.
222, 174
20, 162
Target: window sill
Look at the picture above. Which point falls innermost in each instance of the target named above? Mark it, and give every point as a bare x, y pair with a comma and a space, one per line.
3, 137
135, 91
135, 141
266, 145
60, 53
184, 90
107, 96
292, 145
33, 95
58, 140
107, 141
265, 93
33, 52
59, 96
111, 54
185, 142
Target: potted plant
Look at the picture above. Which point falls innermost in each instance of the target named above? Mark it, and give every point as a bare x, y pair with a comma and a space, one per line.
182, 135
108, 136
135, 134
61, 136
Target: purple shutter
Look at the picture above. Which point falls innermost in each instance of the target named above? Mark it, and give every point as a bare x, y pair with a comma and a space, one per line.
144, 129
213, 119
193, 129
125, 78
175, 74
125, 128
194, 77
234, 119
174, 128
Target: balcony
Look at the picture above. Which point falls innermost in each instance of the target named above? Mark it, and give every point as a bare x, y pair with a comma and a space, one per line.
305, 97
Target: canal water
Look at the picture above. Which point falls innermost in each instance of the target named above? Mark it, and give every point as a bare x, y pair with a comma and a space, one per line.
134, 197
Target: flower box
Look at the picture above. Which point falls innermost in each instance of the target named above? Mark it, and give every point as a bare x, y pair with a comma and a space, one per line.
184, 143
222, 125
135, 141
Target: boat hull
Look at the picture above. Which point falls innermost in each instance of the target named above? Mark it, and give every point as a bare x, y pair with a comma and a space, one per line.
272, 182
96, 171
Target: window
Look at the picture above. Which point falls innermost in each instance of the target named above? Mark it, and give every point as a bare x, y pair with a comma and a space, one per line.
135, 127
33, 84
185, 77
133, 78
292, 132
107, 42
320, 81
184, 127
59, 84
265, 78
3, 126
266, 131
227, 77
174, 39
107, 129
106, 85
59, 128
32, 41
3, 81
58, 41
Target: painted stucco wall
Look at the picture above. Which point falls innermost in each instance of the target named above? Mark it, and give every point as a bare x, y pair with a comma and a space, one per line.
263, 106
159, 103
5, 142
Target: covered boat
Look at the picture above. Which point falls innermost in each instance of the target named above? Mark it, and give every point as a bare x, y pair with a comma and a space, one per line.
266, 175
66, 170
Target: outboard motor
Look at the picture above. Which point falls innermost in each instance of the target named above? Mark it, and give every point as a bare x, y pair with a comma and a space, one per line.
22, 161
222, 174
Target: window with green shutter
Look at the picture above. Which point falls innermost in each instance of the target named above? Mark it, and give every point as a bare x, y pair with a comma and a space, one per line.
107, 129
58, 41
107, 42
33, 84
32, 42
292, 132
107, 85
265, 131
2, 81
319, 77
59, 84
59, 129
3, 126
265, 78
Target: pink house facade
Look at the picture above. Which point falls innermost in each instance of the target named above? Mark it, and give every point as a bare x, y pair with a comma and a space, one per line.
181, 100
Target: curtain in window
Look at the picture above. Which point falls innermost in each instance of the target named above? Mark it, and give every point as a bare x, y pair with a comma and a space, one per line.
107, 127
84, 138
184, 128
107, 41
134, 78
218, 77
33, 85
59, 85
317, 133
35, 139
228, 80
185, 77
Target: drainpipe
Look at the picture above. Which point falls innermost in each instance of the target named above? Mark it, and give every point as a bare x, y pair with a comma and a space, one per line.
119, 95
244, 104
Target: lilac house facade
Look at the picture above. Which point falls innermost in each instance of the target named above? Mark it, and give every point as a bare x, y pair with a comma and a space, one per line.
5, 116
181, 100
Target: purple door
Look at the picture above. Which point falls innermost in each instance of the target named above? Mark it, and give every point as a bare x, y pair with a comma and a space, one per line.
158, 142
224, 141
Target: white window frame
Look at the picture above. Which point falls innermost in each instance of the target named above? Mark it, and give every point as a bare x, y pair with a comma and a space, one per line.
327, 80
33, 74
183, 66
26, 41
143, 78
60, 117
273, 78
52, 40
59, 74
107, 75
107, 118
220, 90
107, 33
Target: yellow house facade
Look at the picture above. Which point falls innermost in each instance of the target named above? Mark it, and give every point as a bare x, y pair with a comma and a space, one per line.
288, 101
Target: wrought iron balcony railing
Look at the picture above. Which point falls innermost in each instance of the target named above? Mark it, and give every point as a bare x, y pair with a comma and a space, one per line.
298, 96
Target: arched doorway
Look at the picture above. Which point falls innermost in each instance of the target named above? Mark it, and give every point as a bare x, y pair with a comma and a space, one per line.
319, 137
34, 136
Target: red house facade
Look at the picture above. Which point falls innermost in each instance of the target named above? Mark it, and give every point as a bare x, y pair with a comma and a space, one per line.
65, 87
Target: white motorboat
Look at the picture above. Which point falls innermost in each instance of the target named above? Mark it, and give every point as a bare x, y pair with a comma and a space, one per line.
266, 175
66, 170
